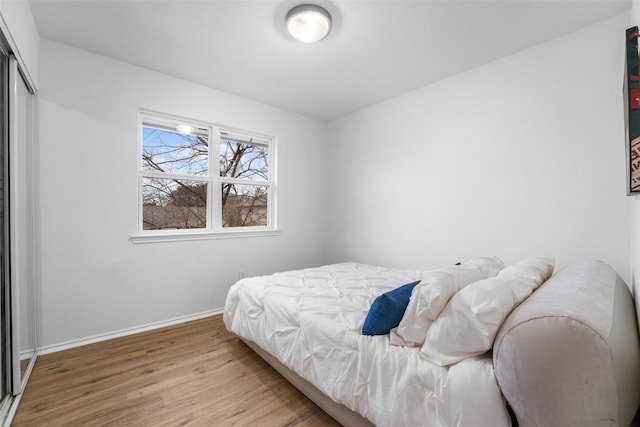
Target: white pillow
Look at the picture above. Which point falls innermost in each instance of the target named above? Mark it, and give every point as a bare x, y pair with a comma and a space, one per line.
469, 323
432, 294
490, 266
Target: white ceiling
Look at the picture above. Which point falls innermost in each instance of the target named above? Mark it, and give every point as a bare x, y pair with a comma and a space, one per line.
377, 49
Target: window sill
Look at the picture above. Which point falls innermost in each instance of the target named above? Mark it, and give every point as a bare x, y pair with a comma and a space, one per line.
182, 236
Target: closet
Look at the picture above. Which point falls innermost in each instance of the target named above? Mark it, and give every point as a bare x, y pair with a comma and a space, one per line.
17, 235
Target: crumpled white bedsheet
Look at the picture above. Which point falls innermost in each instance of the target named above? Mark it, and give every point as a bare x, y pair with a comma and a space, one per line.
310, 320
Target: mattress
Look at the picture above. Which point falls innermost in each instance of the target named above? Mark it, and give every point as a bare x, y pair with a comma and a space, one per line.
310, 320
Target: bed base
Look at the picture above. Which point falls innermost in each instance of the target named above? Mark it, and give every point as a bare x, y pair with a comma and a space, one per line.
338, 412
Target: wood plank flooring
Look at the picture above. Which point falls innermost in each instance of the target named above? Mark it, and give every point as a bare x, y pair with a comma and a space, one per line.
195, 374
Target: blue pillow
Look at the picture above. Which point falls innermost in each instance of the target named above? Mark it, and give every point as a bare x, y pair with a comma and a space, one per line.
387, 310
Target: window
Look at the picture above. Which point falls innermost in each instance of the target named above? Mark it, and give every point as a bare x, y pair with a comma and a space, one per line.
200, 178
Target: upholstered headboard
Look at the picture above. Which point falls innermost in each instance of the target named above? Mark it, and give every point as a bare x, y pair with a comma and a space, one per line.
570, 354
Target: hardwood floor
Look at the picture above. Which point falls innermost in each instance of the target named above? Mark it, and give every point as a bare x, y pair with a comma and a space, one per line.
195, 373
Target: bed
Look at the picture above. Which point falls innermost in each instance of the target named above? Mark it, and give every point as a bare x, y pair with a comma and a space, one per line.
309, 325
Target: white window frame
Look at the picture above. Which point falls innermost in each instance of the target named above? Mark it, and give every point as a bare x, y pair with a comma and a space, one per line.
214, 228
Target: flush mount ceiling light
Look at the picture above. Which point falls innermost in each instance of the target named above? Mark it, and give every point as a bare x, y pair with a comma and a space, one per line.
308, 23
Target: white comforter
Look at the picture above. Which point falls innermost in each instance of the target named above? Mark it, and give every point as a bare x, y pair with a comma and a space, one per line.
310, 320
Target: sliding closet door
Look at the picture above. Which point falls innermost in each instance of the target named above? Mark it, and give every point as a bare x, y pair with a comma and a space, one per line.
5, 296
21, 225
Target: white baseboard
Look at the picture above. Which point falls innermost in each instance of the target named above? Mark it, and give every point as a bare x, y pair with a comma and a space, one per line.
124, 332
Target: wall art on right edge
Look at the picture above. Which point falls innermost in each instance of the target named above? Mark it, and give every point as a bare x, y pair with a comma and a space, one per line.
632, 112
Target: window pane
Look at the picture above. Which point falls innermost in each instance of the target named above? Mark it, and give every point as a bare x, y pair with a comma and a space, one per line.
173, 204
244, 205
240, 159
170, 151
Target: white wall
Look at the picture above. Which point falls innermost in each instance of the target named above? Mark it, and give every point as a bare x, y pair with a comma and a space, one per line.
518, 158
522, 157
94, 280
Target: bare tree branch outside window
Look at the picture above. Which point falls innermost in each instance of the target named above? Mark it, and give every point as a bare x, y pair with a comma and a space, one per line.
179, 200
244, 204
